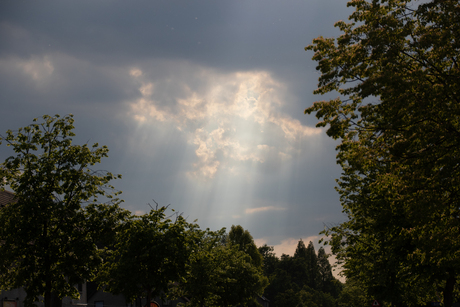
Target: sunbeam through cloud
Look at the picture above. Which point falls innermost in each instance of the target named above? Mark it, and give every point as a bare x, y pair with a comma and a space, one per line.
230, 118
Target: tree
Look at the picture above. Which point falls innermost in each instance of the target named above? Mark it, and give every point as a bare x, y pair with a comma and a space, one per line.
244, 241
301, 280
53, 234
280, 282
288, 298
396, 69
237, 280
223, 273
354, 294
305, 269
199, 282
270, 261
150, 253
310, 297
327, 282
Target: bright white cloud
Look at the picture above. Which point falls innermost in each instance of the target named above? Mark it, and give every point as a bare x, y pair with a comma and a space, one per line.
230, 118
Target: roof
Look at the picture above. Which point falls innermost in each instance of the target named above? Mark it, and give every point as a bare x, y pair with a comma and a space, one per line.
6, 197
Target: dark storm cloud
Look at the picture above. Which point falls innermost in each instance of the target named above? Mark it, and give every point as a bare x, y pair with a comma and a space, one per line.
159, 81
232, 34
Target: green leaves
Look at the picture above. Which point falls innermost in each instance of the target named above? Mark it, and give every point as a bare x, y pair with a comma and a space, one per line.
395, 68
304, 279
151, 252
53, 233
223, 273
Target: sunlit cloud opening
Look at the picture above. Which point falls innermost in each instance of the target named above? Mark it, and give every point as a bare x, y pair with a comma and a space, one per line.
230, 118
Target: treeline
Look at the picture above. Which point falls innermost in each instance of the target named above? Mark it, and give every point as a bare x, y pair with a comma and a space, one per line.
65, 226
56, 233
158, 256
304, 279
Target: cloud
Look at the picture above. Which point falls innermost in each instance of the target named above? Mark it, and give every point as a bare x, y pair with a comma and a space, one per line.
263, 209
139, 212
230, 118
60, 81
37, 68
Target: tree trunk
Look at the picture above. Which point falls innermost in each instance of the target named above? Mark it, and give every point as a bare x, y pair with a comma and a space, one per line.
448, 293
55, 300
47, 267
149, 297
47, 294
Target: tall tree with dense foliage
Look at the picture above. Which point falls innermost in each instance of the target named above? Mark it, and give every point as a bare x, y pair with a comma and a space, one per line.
223, 272
150, 253
305, 270
304, 279
245, 243
53, 233
238, 281
396, 69
199, 283
270, 261
354, 294
327, 282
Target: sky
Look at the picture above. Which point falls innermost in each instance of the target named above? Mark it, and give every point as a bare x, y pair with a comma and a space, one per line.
199, 101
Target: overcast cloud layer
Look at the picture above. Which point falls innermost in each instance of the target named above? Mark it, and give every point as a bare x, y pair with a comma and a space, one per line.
200, 103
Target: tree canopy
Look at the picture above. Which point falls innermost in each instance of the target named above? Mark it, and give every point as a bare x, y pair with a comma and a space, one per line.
53, 233
150, 253
396, 69
304, 279
224, 272
244, 242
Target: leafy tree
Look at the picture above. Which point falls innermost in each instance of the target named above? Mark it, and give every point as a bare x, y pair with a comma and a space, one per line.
53, 234
306, 297
305, 270
300, 265
237, 280
304, 279
199, 282
301, 250
149, 254
288, 298
310, 298
396, 69
354, 294
280, 282
244, 241
270, 261
223, 273
325, 278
